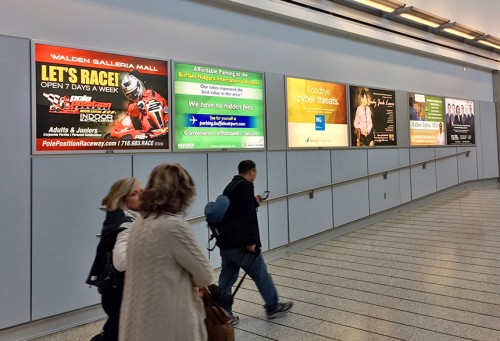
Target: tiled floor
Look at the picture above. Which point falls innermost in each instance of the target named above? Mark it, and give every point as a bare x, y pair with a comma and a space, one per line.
428, 273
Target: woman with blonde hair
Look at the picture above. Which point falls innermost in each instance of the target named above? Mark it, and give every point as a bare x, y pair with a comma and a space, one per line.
121, 205
165, 264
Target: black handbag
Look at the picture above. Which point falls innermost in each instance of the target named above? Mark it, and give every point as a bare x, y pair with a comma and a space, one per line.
104, 275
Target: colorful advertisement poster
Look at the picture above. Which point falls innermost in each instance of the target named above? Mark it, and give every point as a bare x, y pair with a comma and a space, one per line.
459, 121
218, 108
427, 127
317, 114
373, 117
95, 101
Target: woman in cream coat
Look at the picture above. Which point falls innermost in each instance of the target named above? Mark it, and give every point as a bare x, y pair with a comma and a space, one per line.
165, 265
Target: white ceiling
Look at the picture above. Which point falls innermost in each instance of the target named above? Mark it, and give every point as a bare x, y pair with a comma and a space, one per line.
482, 15
475, 14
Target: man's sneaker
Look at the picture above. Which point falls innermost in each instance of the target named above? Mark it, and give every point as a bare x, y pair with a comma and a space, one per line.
234, 320
281, 310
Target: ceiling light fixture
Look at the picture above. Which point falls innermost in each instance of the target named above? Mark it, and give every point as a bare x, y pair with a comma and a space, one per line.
419, 20
489, 44
422, 17
463, 31
490, 41
382, 5
458, 33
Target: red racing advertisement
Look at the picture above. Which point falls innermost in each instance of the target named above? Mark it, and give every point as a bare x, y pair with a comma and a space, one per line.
90, 101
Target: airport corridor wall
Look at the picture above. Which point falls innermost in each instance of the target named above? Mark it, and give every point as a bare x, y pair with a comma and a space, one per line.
50, 210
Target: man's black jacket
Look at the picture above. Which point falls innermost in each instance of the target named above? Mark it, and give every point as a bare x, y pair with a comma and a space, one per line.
240, 224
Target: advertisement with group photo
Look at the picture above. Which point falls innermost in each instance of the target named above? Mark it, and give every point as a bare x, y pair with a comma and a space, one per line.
96, 101
459, 121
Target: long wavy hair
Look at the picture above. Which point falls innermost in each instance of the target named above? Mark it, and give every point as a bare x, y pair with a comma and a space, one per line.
170, 189
115, 198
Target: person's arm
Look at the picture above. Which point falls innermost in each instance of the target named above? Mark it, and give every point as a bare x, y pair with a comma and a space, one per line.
189, 254
369, 124
120, 251
356, 123
120, 248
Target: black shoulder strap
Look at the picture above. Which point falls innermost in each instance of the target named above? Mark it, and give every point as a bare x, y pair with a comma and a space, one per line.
231, 187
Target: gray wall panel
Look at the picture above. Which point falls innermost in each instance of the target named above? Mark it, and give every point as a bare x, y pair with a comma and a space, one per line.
489, 138
404, 175
67, 193
278, 210
308, 169
310, 216
446, 169
402, 119
496, 99
350, 200
479, 119
14, 181
278, 223
383, 193
423, 180
275, 112
380, 160
349, 164
467, 166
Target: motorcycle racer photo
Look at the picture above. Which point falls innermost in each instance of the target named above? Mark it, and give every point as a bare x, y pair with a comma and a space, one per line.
146, 113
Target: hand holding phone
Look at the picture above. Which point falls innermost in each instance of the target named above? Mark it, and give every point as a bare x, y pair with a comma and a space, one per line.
264, 195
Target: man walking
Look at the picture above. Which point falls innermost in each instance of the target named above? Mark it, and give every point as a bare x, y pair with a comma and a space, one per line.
241, 242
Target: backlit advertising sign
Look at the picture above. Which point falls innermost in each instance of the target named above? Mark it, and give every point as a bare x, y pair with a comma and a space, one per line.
459, 121
217, 108
317, 114
373, 117
426, 114
96, 101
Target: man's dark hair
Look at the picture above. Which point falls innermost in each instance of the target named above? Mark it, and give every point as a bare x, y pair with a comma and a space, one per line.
245, 166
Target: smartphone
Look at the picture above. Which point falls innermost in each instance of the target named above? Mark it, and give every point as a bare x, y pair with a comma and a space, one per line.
265, 195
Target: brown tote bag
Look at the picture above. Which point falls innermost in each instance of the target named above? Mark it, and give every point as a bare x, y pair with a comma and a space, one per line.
216, 320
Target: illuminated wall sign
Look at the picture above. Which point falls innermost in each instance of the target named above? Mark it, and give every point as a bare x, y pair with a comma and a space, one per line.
96, 101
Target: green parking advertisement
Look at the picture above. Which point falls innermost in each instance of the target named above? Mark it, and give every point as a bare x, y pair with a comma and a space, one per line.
217, 108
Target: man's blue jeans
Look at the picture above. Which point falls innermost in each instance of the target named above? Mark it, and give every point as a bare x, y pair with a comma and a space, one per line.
253, 264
